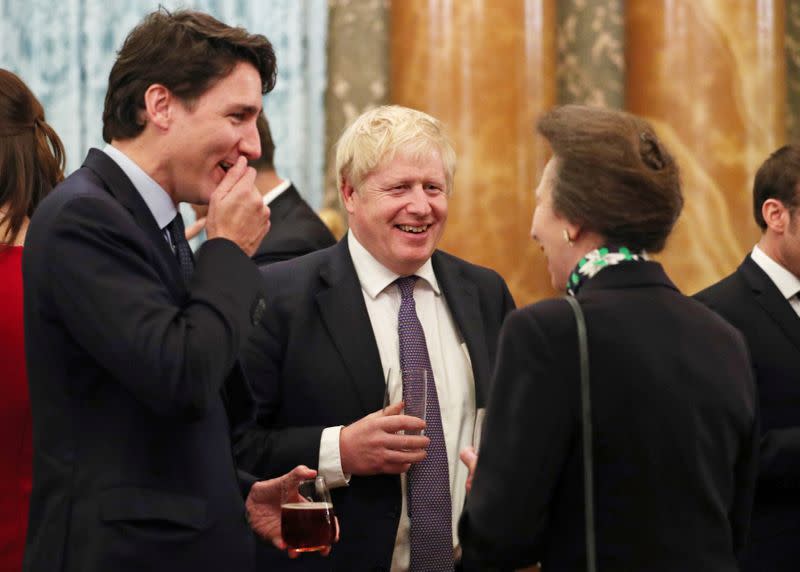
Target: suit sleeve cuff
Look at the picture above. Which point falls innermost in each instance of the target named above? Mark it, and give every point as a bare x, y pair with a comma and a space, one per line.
330, 460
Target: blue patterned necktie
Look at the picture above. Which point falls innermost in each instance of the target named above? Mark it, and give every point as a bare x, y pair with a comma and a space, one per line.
182, 250
429, 505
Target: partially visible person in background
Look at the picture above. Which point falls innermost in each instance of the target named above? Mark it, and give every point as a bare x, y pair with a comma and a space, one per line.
296, 229
333, 219
673, 402
31, 164
761, 299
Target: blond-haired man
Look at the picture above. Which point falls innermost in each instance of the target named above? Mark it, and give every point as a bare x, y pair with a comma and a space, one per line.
340, 319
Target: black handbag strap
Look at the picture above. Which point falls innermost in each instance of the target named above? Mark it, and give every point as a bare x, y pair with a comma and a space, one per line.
586, 425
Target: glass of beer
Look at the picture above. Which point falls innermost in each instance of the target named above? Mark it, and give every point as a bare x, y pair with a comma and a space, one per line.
307, 520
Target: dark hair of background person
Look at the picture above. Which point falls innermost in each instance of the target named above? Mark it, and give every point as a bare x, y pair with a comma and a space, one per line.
613, 175
777, 178
185, 51
267, 159
31, 155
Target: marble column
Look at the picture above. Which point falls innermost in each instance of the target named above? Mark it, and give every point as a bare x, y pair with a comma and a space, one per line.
712, 80
358, 73
591, 55
487, 70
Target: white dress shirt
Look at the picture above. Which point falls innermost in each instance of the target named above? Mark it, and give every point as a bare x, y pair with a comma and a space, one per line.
786, 282
153, 194
452, 372
276, 191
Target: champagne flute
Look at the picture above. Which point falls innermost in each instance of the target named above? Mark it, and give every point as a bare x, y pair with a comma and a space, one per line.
415, 394
416, 400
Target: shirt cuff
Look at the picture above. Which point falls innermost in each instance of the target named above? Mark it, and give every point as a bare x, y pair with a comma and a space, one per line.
330, 460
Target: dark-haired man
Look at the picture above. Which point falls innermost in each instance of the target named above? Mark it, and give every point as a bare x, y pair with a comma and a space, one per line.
133, 343
296, 229
761, 299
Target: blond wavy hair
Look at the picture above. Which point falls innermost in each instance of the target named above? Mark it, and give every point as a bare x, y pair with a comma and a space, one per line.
378, 134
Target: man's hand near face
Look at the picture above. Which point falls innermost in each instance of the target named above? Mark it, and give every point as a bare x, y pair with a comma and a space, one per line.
236, 210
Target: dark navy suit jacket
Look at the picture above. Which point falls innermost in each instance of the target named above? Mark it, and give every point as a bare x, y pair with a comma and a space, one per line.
314, 363
749, 300
674, 435
296, 230
135, 387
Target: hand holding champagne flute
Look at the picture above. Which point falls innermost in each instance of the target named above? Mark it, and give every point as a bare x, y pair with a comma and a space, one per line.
386, 441
411, 388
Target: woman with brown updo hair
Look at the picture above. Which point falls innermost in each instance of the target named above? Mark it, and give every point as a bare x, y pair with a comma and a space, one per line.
673, 430
31, 164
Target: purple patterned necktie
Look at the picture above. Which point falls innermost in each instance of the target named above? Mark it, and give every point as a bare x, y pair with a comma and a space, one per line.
429, 505
182, 250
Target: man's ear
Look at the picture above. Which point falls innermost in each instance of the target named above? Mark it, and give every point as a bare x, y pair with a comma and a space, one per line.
158, 106
348, 193
776, 215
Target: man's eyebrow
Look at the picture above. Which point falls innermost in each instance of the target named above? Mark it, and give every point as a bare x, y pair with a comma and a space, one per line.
248, 109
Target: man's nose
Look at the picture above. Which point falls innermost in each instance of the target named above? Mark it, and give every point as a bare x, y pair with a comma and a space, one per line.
250, 145
419, 201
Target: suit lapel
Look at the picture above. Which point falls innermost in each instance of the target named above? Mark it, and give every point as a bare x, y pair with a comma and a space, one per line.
464, 303
341, 305
284, 203
771, 299
120, 187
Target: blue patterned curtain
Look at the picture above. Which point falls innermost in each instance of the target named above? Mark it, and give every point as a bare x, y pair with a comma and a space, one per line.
64, 49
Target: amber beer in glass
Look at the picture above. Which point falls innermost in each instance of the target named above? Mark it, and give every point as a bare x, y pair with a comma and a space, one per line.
307, 520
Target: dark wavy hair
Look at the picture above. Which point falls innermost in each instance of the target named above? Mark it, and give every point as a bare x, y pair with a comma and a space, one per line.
777, 178
185, 51
613, 175
31, 155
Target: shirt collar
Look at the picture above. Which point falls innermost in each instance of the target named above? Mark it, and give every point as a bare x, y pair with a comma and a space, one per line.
787, 283
375, 277
273, 193
154, 196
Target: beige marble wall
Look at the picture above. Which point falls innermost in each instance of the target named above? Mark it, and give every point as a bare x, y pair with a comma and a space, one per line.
358, 71
712, 80
487, 69
591, 52
793, 69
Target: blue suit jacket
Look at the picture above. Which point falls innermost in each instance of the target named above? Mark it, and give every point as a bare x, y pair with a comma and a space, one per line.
135, 387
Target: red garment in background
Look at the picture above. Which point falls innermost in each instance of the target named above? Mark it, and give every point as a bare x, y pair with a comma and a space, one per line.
15, 415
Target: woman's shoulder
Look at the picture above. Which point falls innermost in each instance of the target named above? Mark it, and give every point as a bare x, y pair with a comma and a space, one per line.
547, 315
544, 309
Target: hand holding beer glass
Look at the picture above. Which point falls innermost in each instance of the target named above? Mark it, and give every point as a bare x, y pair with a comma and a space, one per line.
308, 523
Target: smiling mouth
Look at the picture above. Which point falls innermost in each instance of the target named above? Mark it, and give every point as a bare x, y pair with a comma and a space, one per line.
224, 165
413, 229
